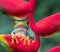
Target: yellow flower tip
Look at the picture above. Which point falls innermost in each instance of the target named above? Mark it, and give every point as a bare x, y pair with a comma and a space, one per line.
28, 42
2, 38
33, 41
4, 42
24, 43
16, 39
12, 41
21, 39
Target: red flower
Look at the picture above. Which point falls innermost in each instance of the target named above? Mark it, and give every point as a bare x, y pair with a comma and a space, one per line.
20, 43
47, 26
55, 49
44, 27
17, 7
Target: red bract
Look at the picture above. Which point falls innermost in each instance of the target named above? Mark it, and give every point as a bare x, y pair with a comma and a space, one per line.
21, 43
17, 7
49, 25
55, 49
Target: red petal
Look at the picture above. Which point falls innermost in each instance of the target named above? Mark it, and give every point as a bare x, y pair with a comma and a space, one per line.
19, 47
55, 49
15, 7
49, 25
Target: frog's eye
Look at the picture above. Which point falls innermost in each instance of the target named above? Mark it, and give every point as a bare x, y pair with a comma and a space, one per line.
13, 32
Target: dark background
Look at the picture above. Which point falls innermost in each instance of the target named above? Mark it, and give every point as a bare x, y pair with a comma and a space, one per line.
43, 9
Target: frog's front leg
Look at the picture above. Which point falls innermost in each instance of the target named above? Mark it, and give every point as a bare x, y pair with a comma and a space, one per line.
20, 29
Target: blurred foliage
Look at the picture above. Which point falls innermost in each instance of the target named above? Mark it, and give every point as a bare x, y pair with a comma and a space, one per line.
43, 9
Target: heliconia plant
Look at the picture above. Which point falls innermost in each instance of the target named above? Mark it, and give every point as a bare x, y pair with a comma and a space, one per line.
55, 49
18, 8
20, 44
22, 9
